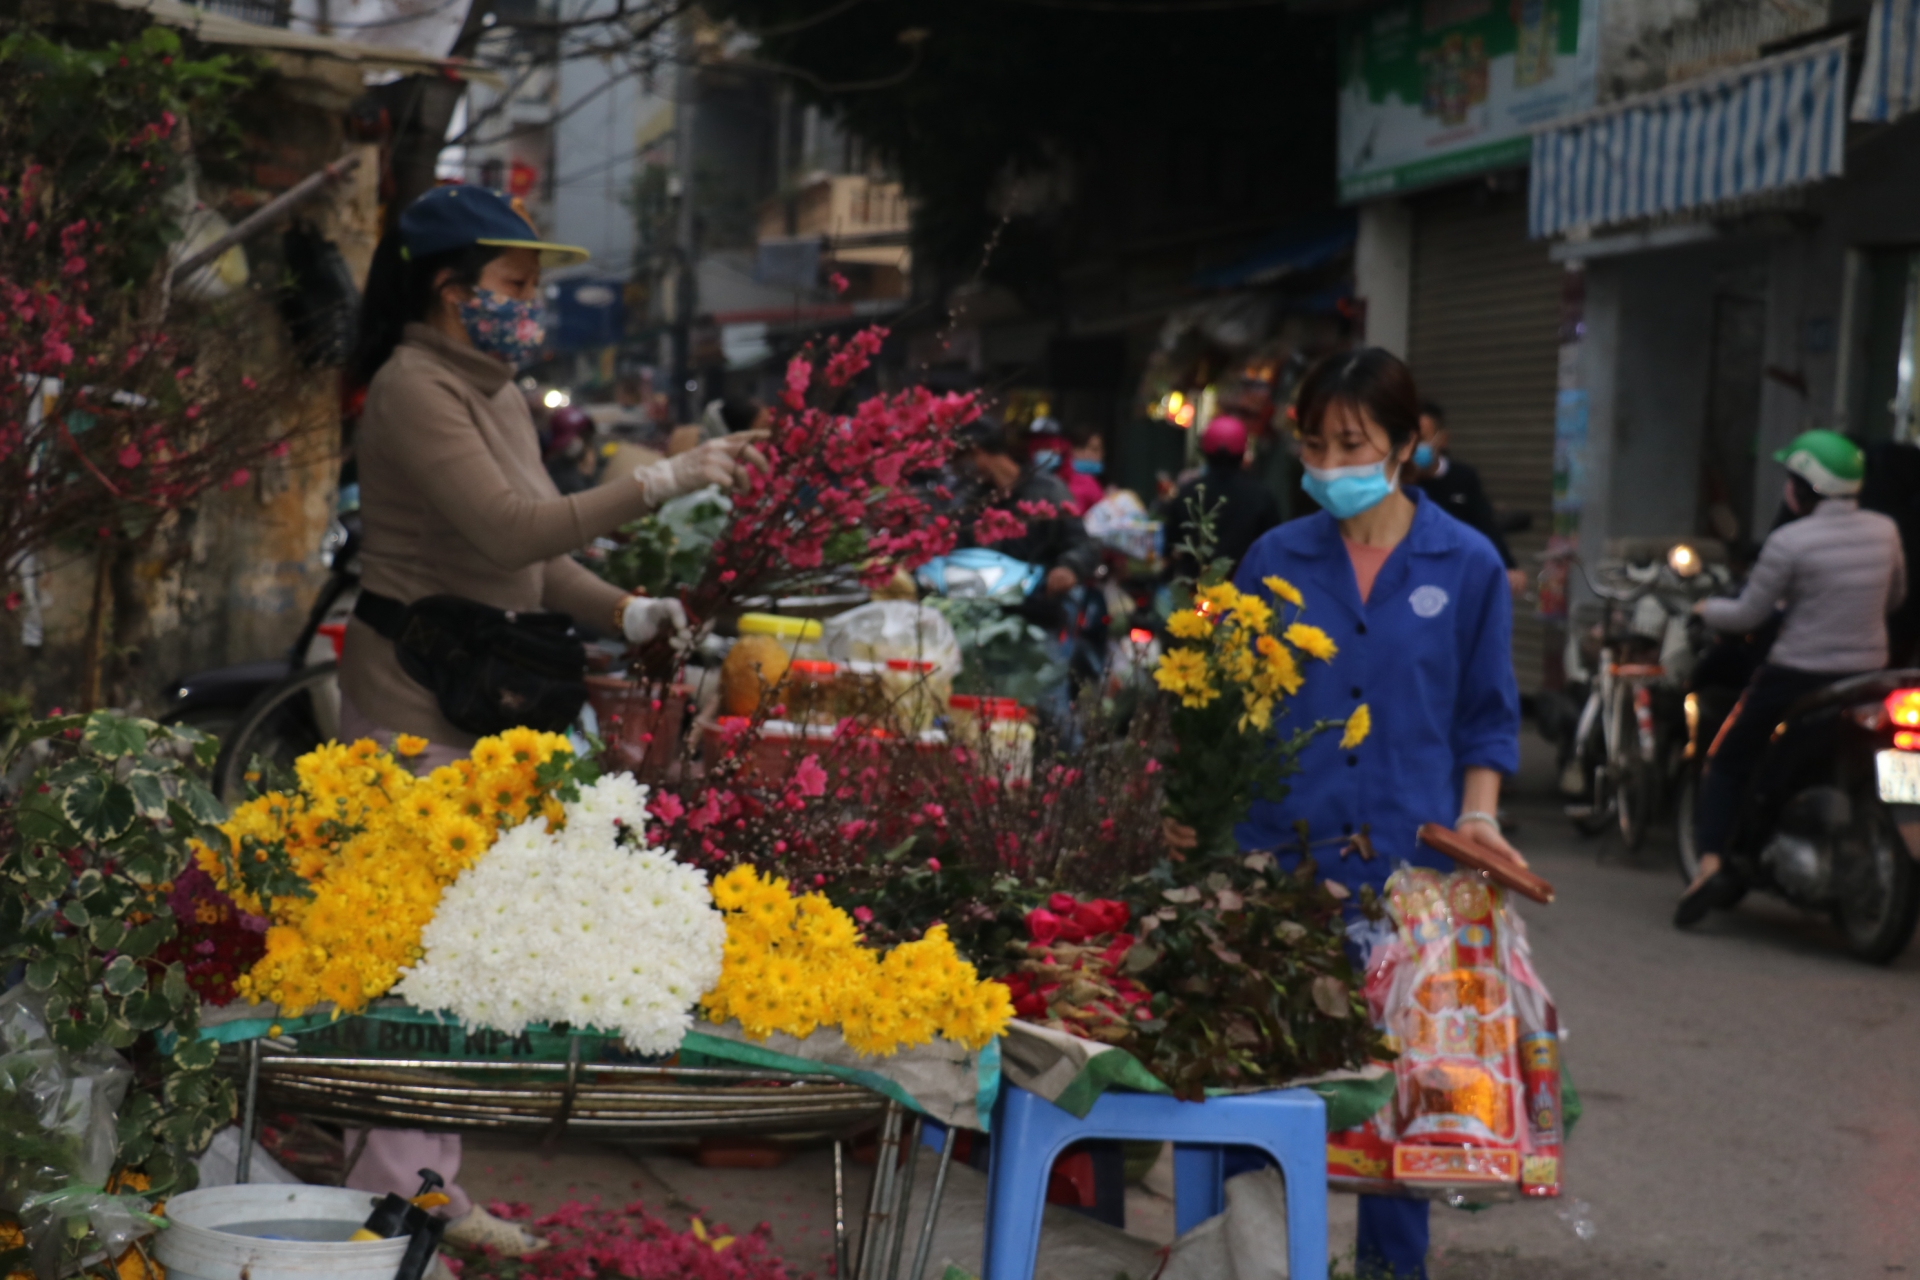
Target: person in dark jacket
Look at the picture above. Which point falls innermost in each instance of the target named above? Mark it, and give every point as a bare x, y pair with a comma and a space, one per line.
1247, 508
1002, 480
1456, 489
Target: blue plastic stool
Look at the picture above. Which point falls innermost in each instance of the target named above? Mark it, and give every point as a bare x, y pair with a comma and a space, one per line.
1029, 1133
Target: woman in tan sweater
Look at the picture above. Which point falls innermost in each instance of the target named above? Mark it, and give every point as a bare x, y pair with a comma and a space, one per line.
455, 501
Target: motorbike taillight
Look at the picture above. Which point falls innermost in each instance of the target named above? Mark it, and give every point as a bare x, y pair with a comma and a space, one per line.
1903, 709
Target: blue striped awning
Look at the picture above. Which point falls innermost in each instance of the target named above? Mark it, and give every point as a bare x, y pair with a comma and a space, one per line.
1763, 126
1890, 76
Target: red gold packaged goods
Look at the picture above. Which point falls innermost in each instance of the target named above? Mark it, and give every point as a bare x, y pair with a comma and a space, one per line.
1476, 1097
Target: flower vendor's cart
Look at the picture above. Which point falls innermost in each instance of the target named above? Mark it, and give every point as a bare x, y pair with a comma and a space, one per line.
395, 1066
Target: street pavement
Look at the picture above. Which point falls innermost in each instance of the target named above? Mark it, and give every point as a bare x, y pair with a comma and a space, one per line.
1752, 1094
1752, 1105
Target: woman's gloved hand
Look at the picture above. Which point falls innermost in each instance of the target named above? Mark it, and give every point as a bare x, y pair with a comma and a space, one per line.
643, 618
723, 462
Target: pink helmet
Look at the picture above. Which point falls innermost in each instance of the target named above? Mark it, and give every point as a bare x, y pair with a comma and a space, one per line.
1225, 434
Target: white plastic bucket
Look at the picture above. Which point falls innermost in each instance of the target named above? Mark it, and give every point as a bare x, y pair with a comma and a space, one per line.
200, 1243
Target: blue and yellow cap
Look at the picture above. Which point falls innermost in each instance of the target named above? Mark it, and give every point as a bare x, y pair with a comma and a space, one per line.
453, 217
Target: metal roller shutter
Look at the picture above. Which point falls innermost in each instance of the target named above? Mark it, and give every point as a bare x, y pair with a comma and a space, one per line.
1484, 342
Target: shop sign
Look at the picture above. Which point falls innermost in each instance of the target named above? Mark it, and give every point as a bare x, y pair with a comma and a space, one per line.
1433, 90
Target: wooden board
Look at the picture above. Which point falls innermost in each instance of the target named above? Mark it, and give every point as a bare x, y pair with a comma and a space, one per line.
1496, 867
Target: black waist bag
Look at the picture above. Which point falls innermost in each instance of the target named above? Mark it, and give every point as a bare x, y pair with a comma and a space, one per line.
489, 669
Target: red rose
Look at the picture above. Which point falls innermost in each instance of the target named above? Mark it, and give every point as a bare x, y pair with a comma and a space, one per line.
1043, 926
1062, 903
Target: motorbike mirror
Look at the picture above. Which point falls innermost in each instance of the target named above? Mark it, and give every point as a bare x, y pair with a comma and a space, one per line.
1683, 560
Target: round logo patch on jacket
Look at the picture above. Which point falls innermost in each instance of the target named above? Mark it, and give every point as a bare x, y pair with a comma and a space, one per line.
1428, 601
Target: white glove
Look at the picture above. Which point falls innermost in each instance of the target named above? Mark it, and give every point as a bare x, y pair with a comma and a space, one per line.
644, 618
723, 462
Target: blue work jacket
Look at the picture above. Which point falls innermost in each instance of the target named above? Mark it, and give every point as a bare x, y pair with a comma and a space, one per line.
1429, 654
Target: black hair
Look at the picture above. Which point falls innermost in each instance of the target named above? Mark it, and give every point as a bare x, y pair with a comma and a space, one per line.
401, 291
1372, 379
987, 434
740, 412
1432, 409
1078, 434
1805, 496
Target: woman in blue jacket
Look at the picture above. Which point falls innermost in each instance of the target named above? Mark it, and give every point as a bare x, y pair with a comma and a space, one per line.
1419, 605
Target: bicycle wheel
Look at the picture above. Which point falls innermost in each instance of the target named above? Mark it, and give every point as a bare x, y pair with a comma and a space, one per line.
285, 722
1593, 817
1634, 772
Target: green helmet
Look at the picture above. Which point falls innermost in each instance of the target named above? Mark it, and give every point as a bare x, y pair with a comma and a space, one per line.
1827, 460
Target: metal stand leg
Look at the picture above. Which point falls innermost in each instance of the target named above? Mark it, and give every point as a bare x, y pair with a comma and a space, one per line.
873, 1232
903, 1197
839, 1210
249, 1116
925, 1246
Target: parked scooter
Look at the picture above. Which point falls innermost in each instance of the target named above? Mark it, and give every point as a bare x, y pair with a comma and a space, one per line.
279, 709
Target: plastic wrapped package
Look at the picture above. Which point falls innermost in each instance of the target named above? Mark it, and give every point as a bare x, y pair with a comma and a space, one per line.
1476, 1086
893, 630
57, 1141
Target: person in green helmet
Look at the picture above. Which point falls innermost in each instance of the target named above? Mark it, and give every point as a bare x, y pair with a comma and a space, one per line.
1837, 572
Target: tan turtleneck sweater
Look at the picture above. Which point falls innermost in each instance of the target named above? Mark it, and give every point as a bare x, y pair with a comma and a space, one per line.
454, 501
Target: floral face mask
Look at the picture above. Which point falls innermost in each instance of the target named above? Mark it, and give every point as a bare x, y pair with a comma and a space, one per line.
505, 328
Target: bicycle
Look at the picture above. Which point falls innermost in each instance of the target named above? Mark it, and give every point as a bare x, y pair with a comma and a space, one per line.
1631, 730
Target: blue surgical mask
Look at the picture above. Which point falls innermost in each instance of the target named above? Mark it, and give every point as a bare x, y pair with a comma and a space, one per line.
1344, 492
1423, 456
505, 328
1088, 466
1046, 461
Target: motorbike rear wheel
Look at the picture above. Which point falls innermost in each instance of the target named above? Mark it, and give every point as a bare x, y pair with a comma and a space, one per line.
283, 723
1877, 884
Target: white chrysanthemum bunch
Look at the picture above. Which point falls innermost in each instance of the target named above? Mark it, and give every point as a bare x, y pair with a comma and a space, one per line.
574, 926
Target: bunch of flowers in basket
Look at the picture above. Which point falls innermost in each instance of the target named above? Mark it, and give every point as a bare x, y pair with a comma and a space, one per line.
797, 962
583, 924
1069, 975
350, 865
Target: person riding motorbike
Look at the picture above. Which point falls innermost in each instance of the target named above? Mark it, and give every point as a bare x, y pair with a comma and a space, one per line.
1243, 508
1838, 571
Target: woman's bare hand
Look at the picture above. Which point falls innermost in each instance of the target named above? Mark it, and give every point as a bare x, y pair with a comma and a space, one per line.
1489, 837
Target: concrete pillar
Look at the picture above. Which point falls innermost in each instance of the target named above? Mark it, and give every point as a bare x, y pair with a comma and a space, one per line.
1383, 272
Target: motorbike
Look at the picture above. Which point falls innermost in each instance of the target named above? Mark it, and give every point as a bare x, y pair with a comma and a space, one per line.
276, 710
1831, 817
1830, 820
1623, 754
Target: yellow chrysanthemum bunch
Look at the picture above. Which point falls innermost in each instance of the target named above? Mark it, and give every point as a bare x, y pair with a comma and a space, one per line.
796, 963
1226, 645
376, 846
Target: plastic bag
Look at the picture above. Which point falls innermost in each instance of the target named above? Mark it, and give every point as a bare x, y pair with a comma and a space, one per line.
57, 1139
1120, 521
1477, 1083
892, 630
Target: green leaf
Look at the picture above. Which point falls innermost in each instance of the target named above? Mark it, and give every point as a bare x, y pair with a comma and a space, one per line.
99, 808
111, 734
149, 795
76, 914
157, 39
201, 803
124, 977
42, 973
143, 938
106, 933
196, 1055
